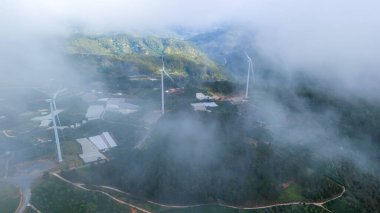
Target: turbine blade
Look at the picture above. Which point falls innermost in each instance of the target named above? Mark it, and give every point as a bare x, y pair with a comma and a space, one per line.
163, 69
249, 66
252, 68
167, 74
246, 54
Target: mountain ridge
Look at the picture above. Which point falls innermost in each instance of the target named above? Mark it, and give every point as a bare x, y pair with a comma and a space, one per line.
182, 58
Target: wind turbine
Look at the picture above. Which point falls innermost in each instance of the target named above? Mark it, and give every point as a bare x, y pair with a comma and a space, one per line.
53, 109
162, 85
55, 130
250, 70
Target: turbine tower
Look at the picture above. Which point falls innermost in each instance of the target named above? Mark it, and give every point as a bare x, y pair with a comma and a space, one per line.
55, 131
163, 71
250, 70
55, 106
53, 109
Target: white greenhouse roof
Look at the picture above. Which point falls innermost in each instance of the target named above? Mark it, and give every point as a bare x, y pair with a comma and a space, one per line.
94, 112
103, 141
90, 151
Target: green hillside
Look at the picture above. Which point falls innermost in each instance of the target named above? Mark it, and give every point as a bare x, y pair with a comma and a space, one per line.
124, 55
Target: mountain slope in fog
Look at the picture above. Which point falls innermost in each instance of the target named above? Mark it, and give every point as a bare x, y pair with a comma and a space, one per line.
124, 55
227, 46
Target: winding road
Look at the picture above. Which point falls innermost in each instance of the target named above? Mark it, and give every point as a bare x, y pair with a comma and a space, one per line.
80, 185
6, 133
34, 208
318, 204
25, 176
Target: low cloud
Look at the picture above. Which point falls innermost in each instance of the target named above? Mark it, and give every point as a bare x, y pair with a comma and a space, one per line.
336, 40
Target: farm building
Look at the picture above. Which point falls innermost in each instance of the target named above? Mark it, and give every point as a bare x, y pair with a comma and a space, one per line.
103, 141
95, 112
90, 152
202, 106
119, 105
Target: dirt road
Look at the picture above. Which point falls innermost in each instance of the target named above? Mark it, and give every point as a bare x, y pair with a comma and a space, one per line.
81, 186
318, 204
25, 176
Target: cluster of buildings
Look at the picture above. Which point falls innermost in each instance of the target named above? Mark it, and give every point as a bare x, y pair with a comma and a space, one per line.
93, 147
